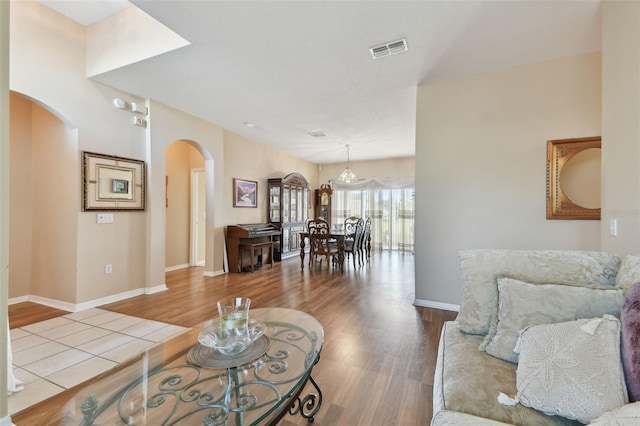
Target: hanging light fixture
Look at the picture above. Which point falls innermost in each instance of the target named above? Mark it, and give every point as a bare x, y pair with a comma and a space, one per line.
347, 176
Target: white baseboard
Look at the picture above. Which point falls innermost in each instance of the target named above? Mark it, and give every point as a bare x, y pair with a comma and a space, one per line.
76, 307
176, 267
6, 421
186, 265
213, 273
156, 289
436, 305
19, 299
53, 303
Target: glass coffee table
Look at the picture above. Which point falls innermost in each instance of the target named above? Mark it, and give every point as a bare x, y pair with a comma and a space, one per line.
179, 382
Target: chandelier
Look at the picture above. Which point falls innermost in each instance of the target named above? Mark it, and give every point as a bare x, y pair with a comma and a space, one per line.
347, 176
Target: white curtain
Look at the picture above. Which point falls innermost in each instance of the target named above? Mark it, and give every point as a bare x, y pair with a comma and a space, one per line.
389, 202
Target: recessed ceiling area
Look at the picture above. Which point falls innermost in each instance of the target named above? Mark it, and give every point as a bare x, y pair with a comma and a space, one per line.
293, 67
87, 12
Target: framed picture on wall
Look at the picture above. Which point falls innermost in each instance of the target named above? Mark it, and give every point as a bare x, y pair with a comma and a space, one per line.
112, 183
245, 193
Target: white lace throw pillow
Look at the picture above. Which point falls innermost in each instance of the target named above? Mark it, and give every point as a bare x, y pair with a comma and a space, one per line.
521, 304
571, 369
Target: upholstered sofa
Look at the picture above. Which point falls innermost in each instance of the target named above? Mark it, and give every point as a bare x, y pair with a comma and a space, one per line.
537, 340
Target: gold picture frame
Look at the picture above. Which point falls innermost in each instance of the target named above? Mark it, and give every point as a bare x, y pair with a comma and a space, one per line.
112, 183
560, 205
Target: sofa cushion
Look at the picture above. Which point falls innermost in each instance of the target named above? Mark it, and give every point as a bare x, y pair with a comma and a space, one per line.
480, 268
572, 369
469, 381
626, 415
522, 304
630, 319
452, 418
629, 272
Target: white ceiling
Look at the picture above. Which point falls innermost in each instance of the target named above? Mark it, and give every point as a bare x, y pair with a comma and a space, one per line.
293, 67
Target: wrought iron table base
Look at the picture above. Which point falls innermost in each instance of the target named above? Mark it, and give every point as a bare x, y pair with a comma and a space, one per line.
308, 406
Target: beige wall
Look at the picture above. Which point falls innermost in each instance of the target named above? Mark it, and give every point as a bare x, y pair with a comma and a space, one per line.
55, 200
21, 198
43, 202
621, 125
393, 167
481, 147
246, 159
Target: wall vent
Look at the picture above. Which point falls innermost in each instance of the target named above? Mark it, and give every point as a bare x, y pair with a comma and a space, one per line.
390, 48
318, 134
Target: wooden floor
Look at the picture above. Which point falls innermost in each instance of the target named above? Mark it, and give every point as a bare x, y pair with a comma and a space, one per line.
378, 358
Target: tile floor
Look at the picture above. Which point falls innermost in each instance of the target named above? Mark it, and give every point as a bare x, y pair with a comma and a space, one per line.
56, 354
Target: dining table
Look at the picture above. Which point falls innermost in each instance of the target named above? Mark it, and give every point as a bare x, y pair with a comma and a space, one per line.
338, 235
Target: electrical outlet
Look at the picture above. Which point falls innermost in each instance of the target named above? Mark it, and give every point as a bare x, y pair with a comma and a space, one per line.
108, 268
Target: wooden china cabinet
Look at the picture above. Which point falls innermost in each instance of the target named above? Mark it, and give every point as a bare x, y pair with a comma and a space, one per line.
289, 204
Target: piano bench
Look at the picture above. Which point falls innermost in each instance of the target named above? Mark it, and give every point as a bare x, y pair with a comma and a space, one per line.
253, 248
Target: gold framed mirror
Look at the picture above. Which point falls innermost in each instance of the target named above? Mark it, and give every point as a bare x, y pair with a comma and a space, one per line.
573, 178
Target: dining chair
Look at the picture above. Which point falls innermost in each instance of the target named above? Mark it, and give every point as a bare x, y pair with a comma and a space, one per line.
350, 225
353, 245
366, 239
320, 242
350, 228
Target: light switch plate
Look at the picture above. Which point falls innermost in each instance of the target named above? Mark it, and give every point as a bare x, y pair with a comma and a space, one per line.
104, 217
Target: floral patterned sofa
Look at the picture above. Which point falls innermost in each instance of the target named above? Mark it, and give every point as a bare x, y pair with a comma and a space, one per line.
516, 305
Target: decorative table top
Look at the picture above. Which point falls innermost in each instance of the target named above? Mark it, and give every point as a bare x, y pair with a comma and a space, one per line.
174, 383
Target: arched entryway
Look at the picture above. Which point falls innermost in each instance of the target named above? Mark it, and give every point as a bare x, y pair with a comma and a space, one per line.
185, 186
186, 199
44, 185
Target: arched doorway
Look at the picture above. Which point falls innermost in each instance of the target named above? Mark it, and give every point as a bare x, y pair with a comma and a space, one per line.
43, 202
185, 205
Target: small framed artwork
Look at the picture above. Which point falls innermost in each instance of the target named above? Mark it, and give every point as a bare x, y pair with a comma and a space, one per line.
120, 186
245, 193
112, 183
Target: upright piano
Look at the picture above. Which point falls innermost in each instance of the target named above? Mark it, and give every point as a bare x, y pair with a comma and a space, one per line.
248, 236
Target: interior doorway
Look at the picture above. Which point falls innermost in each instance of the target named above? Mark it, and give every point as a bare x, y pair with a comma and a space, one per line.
198, 217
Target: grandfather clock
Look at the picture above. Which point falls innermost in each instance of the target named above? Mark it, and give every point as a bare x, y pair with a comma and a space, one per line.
323, 202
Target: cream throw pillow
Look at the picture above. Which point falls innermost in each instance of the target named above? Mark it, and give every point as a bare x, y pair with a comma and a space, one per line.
572, 369
629, 272
479, 269
522, 304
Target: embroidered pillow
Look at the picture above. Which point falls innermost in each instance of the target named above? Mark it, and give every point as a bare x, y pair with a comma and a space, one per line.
522, 304
572, 369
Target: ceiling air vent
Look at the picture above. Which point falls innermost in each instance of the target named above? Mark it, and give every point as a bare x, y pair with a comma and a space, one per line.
390, 48
318, 134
